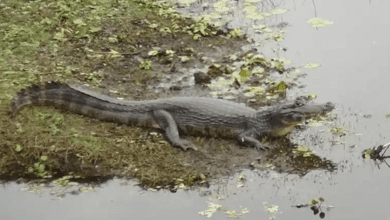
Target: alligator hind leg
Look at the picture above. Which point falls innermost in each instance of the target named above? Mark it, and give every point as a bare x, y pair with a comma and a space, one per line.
168, 124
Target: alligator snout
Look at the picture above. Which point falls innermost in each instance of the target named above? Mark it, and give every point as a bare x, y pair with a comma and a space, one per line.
329, 106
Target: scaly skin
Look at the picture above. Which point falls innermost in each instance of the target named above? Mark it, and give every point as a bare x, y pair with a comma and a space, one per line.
191, 115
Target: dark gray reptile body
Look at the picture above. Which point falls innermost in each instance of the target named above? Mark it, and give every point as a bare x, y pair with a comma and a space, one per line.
191, 115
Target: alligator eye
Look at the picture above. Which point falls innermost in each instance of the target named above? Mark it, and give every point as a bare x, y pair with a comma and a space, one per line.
299, 104
295, 117
300, 101
299, 117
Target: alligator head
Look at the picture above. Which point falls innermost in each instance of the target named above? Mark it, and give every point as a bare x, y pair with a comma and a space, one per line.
284, 117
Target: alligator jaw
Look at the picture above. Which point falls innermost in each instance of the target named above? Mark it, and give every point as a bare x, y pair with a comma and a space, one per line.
286, 116
302, 110
311, 110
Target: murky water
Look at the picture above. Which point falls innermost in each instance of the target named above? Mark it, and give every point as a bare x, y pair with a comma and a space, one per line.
354, 57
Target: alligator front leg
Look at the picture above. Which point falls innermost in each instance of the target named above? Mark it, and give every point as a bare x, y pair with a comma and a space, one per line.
250, 141
168, 124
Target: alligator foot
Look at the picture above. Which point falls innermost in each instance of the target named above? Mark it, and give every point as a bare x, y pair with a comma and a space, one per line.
185, 145
252, 142
261, 147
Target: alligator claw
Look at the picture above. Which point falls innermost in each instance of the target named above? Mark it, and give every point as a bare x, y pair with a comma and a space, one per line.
185, 145
262, 147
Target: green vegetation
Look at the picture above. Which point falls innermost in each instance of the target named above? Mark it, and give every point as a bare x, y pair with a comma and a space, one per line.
302, 151
39, 167
199, 29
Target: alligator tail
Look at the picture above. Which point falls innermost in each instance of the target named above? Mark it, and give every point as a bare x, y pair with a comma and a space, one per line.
65, 97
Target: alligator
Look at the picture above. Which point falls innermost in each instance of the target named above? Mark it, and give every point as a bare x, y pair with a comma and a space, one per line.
194, 116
